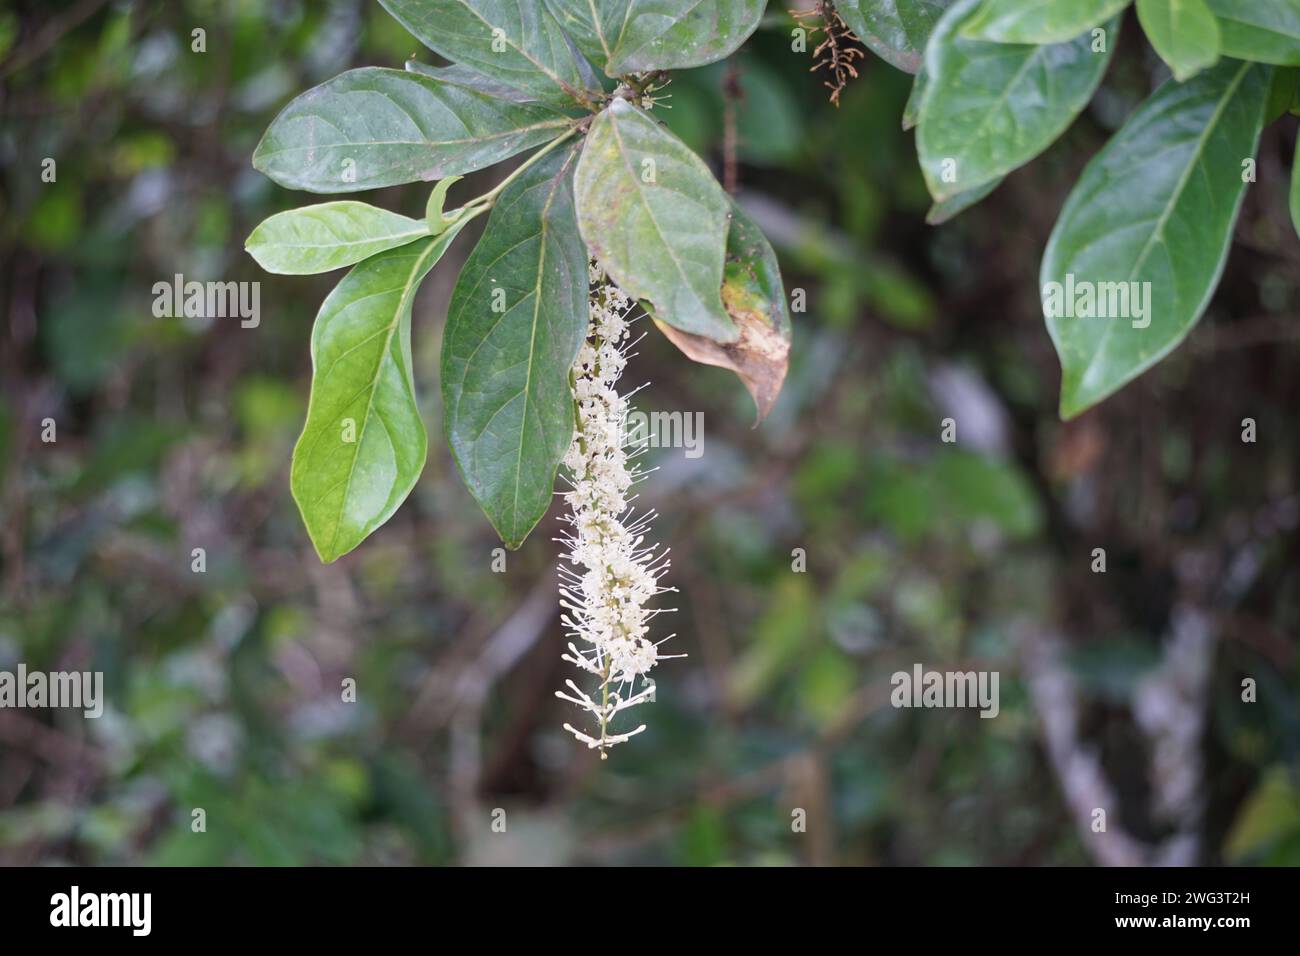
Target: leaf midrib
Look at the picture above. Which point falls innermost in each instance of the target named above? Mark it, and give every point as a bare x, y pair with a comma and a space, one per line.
555, 185
599, 27
1158, 231
641, 194
680, 17
555, 77
544, 228
374, 384
999, 104
346, 244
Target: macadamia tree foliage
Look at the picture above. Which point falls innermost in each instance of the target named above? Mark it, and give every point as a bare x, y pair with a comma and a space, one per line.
534, 339
611, 213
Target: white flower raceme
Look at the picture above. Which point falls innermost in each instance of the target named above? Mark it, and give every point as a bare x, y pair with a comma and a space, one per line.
605, 602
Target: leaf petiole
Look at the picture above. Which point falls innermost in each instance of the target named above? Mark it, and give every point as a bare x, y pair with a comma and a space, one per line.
485, 201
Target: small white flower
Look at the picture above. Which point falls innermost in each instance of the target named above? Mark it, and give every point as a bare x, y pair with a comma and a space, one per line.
605, 602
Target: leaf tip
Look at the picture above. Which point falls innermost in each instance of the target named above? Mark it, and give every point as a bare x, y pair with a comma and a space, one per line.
1072, 404
326, 557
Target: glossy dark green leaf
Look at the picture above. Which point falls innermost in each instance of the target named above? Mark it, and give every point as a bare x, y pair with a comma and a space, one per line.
328, 236
656, 219
755, 299
634, 36
518, 44
1157, 205
364, 444
1184, 33
895, 30
1038, 21
1267, 31
376, 127
990, 107
517, 318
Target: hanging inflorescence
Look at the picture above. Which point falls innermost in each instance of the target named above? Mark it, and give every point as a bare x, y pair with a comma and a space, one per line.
609, 573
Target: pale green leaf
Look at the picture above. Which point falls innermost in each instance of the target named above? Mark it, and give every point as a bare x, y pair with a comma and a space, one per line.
991, 107
941, 212
376, 127
517, 318
1184, 33
434, 219
1038, 21
328, 236
1144, 234
364, 444
656, 219
912, 108
1267, 31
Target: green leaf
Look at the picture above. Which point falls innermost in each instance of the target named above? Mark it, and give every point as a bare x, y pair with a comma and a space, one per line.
519, 44
1295, 193
328, 236
991, 107
1183, 32
363, 445
1038, 21
434, 219
770, 120
1267, 31
755, 300
374, 127
636, 36
1157, 205
941, 212
950, 493
751, 280
895, 30
517, 318
986, 489
912, 108
656, 219
1286, 80
465, 76
1269, 819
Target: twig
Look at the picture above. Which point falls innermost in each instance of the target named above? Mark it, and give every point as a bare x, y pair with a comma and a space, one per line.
732, 96
49, 35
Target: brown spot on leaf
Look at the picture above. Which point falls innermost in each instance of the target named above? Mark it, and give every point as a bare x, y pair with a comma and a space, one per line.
755, 300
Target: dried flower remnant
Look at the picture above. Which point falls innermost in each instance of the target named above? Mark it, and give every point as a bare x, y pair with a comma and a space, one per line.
604, 603
837, 51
